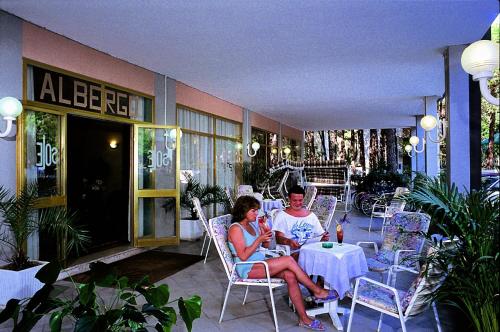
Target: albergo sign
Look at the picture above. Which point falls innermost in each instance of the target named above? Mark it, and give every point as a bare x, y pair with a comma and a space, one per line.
63, 90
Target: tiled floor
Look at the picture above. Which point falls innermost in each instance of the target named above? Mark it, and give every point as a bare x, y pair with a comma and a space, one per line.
209, 281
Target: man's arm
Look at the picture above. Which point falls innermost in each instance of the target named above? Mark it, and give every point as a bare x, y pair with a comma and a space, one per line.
282, 239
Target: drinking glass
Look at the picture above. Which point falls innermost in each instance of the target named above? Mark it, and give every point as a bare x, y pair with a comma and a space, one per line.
340, 234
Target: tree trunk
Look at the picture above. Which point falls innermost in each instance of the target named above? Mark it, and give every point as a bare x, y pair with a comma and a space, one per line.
332, 135
391, 149
309, 145
361, 148
373, 149
323, 145
342, 145
353, 149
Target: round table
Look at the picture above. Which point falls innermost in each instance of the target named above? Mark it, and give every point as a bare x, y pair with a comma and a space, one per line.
339, 266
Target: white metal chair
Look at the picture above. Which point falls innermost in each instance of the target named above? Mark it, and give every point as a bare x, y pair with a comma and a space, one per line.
203, 219
385, 211
245, 190
396, 303
219, 228
310, 195
229, 195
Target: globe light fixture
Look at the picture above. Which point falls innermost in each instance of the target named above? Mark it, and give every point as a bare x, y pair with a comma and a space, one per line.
255, 147
408, 149
10, 108
480, 59
285, 153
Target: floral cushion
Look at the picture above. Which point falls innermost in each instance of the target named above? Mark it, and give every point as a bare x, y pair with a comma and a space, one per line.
404, 232
200, 213
219, 227
324, 208
310, 195
378, 296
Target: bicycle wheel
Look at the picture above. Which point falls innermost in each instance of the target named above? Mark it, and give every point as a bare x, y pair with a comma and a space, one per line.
366, 204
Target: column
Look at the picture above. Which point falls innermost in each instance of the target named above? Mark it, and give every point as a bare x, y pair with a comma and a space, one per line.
432, 149
458, 147
246, 133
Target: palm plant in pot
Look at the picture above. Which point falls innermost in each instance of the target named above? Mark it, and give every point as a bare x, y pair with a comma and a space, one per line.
472, 261
19, 219
207, 194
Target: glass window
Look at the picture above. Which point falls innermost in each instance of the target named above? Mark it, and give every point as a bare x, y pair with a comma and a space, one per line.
43, 152
227, 128
194, 121
156, 217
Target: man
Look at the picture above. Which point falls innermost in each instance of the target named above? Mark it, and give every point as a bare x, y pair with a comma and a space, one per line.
295, 225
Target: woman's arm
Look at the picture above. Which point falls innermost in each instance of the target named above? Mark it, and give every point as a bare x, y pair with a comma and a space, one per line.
237, 239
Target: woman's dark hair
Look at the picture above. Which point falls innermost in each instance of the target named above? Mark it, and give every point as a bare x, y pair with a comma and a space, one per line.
296, 189
242, 205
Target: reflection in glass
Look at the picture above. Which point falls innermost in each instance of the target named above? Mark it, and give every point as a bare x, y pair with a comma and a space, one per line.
43, 146
156, 217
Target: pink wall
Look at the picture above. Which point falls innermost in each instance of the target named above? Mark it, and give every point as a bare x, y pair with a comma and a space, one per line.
202, 101
260, 121
291, 132
47, 47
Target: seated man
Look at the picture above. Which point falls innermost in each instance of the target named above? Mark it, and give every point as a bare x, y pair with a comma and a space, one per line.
295, 225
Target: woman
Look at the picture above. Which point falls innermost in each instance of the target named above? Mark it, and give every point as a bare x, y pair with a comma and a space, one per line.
244, 242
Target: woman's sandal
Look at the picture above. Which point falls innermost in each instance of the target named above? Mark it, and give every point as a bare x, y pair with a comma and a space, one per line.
315, 325
332, 296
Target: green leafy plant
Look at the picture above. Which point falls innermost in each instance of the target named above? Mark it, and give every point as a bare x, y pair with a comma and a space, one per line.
472, 261
90, 312
22, 218
207, 194
255, 173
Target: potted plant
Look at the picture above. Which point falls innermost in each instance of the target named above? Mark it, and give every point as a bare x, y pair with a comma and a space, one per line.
190, 227
19, 219
472, 260
132, 307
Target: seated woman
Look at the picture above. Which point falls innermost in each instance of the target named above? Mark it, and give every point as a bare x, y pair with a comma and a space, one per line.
244, 241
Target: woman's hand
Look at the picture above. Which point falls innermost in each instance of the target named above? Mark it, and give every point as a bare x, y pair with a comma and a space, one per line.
264, 236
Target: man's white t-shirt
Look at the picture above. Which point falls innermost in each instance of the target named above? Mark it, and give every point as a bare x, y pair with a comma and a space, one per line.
299, 229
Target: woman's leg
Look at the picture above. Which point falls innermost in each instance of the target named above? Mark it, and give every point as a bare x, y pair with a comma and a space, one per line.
295, 295
281, 264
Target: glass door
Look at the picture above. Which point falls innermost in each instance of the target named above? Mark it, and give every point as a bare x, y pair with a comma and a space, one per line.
156, 210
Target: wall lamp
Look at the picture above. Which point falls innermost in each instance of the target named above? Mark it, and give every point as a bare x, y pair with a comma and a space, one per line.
480, 59
10, 108
255, 147
428, 123
285, 153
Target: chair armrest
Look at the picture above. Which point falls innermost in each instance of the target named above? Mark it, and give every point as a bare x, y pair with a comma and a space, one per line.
368, 242
402, 268
283, 248
266, 267
398, 252
273, 252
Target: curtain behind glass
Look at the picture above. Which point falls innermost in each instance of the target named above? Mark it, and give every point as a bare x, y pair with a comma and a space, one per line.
197, 157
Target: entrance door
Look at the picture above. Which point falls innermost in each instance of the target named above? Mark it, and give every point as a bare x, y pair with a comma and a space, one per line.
98, 177
156, 185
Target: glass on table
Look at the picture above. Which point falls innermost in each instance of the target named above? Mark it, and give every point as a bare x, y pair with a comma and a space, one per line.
340, 234
263, 224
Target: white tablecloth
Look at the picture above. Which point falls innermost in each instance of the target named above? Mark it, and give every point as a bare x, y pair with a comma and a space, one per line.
338, 265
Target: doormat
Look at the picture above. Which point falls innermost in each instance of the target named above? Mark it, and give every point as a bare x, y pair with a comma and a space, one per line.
156, 264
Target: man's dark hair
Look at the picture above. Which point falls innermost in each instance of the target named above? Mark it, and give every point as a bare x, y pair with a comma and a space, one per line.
242, 205
296, 190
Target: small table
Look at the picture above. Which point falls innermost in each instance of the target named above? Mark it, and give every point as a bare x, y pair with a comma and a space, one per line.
338, 266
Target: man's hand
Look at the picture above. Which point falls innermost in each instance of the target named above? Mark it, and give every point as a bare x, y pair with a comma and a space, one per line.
326, 237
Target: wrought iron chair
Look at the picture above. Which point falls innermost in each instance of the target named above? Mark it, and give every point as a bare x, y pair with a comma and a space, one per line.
396, 303
219, 227
403, 239
203, 219
385, 211
309, 197
324, 208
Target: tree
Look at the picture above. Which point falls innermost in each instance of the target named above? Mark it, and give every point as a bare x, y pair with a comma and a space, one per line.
361, 147
373, 148
391, 157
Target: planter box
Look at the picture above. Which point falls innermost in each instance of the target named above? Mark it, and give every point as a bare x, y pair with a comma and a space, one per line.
191, 230
19, 284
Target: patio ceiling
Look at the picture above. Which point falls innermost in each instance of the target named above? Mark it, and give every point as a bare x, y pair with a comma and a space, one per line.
309, 64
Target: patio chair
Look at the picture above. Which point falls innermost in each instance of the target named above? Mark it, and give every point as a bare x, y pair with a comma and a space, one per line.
245, 190
403, 239
229, 195
203, 219
310, 195
278, 190
385, 211
219, 227
397, 303
324, 208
